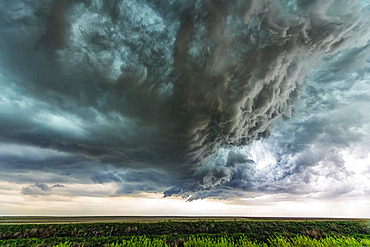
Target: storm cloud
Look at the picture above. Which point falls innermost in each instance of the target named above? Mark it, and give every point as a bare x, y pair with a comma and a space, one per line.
39, 189
191, 98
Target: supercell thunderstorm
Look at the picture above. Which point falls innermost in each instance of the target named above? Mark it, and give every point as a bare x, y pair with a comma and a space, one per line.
191, 98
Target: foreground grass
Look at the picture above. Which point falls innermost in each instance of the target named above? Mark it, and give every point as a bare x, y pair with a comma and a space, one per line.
200, 233
298, 241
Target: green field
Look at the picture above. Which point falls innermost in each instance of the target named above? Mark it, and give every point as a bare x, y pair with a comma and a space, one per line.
182, 231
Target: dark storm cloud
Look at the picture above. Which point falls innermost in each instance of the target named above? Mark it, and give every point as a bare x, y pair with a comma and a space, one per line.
42, 167
40, 189
332, 117
172, 88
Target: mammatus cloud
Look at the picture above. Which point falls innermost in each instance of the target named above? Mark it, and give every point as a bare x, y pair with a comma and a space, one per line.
194, 98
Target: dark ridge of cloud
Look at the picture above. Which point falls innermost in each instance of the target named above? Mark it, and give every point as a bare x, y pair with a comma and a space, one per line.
40, 189
42, 167
305, 149
176, 86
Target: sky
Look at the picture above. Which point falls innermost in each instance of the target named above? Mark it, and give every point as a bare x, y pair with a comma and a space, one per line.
147, 107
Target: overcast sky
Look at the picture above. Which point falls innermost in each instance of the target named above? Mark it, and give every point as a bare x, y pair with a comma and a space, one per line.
245, 107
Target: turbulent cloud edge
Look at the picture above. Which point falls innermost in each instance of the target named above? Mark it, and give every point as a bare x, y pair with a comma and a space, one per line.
185, 92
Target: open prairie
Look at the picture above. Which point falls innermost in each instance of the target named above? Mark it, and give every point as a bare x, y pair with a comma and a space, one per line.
145, 219
180, 231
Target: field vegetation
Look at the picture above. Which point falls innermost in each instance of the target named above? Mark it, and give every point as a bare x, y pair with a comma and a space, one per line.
191, 233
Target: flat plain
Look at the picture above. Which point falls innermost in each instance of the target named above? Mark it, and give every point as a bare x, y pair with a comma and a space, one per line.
168, 231
148, 219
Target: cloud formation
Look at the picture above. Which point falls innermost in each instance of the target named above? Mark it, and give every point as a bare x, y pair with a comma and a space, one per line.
194, 98
40, 189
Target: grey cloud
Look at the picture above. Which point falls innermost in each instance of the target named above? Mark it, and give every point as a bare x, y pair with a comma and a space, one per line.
158, 64
25, 165
134, 178
331, 117
40, 189
172, 90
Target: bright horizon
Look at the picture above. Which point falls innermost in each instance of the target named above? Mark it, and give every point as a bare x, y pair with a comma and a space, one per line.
156, 205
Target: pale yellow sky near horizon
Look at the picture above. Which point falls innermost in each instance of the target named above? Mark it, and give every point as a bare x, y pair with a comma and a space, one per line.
13, 203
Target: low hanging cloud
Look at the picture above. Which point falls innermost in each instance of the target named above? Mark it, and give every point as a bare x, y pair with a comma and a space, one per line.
176, 96
40, 189
306, 154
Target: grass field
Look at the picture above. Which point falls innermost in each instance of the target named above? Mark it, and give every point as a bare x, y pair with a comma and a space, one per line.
182, 231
